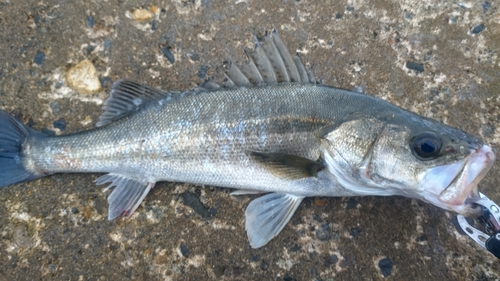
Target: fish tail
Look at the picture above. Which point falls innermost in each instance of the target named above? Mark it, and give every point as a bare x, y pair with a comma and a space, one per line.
13, 135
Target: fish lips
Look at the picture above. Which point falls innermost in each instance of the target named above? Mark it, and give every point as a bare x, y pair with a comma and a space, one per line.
449, 186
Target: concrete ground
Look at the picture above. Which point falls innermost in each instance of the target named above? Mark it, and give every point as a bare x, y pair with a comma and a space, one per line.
436, 58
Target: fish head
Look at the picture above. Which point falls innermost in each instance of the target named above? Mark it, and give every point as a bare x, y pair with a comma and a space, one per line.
414, 157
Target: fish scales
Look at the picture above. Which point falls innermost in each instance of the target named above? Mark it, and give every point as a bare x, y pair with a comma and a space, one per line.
192, 140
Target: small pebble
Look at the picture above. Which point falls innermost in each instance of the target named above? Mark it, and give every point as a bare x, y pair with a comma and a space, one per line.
478, 29
355, 232
193, 201
218, 270
323, 233
107, 44
83, 78
351, 204
39, 57
142, 15
55, 107
486, 5
168, 54
193, 57
31, 123
418, 67
52, 268
184, 250
74, 210
59, 124
90, 21
202, 72
264, 265
385, 266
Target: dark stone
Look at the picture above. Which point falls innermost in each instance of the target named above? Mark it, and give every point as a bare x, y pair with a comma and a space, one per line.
296, 248
74, 210
255, 258
409, 16
184, 250
487, 130
331, 260
31, 123
168, 54
59, 124
219, 270
90, 21
486, 6
297, 221
351, 204
107, 44
289, 278
193, 57
89, 49
213, 212
418, 67
105, 81
317, 218
338, 16
355, 232
264, 265
422, 238
385, 266
39, 57
202, 72
237, 271
191, 200
154, 25
323, 233
350, 8
478, 29
55, 107
52, 268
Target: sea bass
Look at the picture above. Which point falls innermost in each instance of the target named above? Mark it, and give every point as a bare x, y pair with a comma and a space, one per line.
269, 128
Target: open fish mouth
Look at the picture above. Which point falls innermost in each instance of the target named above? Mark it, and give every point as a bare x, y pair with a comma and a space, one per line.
449, 186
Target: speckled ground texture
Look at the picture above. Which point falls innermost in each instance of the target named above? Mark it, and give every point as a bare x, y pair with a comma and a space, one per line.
437, 58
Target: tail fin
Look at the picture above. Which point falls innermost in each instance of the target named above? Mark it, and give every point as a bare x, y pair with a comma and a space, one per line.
12, 136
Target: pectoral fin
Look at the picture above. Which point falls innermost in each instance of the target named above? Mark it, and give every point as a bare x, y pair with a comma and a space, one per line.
286, 165
127, 195
267, 215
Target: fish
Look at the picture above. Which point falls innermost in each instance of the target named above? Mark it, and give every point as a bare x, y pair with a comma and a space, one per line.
268, 128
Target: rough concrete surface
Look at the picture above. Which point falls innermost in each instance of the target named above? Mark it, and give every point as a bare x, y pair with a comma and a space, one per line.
437, 58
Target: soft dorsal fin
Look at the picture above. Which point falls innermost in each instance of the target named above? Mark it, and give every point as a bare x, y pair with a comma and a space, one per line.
287, 166
269, 63
127, 97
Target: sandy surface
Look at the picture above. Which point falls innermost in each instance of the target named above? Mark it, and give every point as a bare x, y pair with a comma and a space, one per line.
437, 58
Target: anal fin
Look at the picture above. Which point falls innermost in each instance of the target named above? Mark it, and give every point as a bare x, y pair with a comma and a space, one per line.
267, 215
127, 195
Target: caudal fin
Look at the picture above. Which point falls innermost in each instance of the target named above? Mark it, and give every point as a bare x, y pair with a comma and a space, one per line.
12, 136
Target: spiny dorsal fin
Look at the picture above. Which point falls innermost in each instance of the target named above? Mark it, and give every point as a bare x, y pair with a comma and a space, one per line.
287, 166
269, 63
127, 97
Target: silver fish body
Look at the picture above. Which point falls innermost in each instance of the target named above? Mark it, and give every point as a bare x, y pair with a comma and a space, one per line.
287, 137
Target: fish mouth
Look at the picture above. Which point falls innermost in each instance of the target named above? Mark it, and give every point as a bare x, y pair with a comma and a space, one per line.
450, 186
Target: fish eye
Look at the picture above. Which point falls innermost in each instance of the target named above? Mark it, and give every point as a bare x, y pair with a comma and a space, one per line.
426, 146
